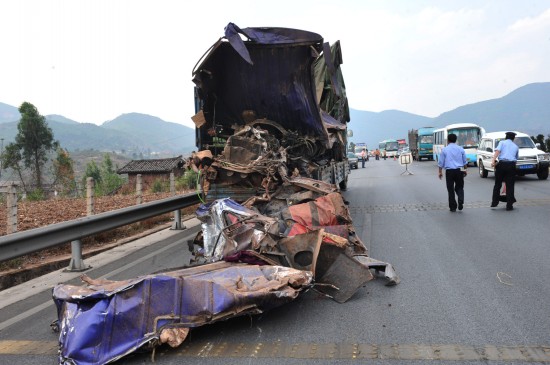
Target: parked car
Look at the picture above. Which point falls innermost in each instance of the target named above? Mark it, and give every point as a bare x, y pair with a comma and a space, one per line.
531, 160
353, 160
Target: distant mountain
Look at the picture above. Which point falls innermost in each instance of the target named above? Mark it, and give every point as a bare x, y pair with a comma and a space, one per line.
60, 119
8, 113
136, 135
371, 128
526, 109
154, 133
84, 136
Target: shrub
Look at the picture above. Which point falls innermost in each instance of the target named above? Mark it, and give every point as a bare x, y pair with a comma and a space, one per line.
188, 180
159, 186
35, 195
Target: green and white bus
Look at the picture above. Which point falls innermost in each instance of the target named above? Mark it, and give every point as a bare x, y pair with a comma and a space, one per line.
391, 146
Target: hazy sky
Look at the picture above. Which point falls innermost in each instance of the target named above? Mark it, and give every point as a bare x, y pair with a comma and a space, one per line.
94, 60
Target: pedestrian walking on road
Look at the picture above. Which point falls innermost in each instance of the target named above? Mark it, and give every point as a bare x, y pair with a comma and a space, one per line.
504, 162
377, 154
363, 158
453, 159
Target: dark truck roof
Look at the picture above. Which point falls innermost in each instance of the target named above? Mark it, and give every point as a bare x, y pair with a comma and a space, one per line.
271, 73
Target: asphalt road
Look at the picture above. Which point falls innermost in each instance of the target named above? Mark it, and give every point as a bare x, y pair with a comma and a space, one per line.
473, 288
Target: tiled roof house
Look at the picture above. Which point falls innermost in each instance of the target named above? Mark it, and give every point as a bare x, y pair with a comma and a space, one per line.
152, 170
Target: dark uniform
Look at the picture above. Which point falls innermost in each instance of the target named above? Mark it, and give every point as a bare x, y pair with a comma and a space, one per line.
505, 170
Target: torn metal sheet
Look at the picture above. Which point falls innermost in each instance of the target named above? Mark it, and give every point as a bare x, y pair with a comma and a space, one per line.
316, 235
302, 251
380, 266
228, 227
342, 273
327, 210
106, 320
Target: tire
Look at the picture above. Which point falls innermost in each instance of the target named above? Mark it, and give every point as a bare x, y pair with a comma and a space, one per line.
344, 184
482, 172
542, 174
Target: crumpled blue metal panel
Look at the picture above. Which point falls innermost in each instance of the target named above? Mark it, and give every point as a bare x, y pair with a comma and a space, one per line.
102, 322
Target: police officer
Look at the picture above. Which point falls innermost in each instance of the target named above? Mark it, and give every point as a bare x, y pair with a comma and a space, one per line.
505, 170
452, 159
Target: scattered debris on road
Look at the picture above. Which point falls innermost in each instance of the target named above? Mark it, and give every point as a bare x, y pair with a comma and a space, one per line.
271, 162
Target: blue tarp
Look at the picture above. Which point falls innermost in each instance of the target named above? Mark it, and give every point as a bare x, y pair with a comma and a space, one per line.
270, 74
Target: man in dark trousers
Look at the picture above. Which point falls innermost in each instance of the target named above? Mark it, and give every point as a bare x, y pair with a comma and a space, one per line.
452, 159
505, 170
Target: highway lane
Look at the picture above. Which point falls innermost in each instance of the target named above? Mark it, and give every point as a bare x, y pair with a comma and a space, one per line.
473, 286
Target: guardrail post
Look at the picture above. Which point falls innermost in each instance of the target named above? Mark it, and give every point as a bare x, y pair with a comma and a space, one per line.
90, 195
172, 184
139, 195
77, 263
12, 209
177, 213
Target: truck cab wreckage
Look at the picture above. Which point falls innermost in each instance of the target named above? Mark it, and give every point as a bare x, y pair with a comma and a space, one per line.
271, 160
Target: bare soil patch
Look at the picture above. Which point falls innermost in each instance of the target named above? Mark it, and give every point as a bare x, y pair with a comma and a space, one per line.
35, 214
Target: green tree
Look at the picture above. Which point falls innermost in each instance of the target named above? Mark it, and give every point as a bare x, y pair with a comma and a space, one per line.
105, 177
92, 170
107, 165
63, 171
12, 159
35, 140
539, 139
110, 179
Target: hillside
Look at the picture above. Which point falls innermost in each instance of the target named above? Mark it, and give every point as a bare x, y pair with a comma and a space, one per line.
154, 133
8, 113
60, 119
135, 135
372, 127
82, 136
526, 109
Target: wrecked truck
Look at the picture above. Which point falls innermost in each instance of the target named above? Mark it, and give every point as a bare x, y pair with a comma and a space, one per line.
271, 138
271, 134
286, 87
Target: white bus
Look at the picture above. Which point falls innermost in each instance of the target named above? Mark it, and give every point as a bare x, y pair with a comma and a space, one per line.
391, 146
468, 137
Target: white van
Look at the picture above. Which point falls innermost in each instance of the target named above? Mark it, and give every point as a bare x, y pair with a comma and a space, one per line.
531, 160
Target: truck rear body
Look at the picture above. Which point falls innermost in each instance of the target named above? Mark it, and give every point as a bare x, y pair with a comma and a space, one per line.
284, 83
421, 143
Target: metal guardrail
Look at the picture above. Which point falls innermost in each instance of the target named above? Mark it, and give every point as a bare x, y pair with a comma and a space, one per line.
23, 243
